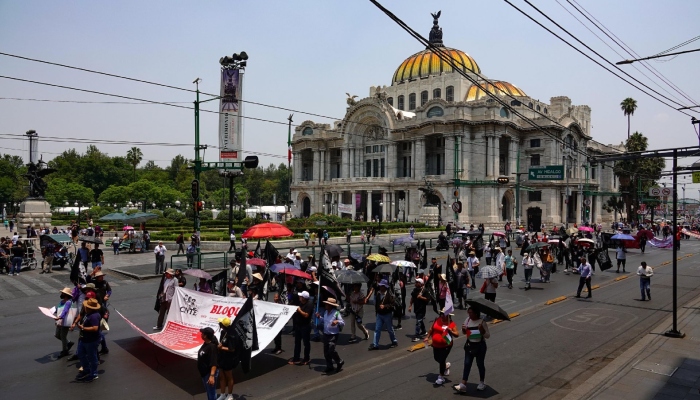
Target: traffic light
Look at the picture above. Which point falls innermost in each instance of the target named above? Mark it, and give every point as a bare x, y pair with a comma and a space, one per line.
195, 189
503, 180
198, 206
588, 210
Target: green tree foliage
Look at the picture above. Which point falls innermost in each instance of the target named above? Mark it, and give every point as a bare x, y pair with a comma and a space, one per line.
59, 191
628, 106
12, 184
134, 157
637, 175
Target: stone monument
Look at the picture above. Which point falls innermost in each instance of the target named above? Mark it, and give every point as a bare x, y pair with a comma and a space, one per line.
430, 213
35, 210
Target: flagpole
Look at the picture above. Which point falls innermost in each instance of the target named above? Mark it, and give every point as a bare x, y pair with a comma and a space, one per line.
318, 290
289, 164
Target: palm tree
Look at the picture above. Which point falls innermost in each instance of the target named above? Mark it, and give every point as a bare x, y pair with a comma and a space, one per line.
134, 157
628, 106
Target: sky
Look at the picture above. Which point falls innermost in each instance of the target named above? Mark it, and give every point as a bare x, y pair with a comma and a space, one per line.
306, 54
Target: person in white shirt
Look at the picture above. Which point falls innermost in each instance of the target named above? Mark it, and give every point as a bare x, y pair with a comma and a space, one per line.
472, 265
586, 271
165, 296
232, 240
500, 262
621, 255
159, 251
528, 264
645, 273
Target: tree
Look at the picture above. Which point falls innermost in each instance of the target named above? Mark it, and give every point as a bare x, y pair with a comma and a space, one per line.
12, 184
134, 157
628, 106
59, 191
639, 174
175, 166
115, 195
614, 204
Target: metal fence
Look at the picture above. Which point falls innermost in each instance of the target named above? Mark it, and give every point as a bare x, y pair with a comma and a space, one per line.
204, 260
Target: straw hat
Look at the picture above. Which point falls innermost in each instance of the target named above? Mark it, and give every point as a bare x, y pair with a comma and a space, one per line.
170, 271
472, 253
91, 304
99, 273
67, 291
331, 302
257, 276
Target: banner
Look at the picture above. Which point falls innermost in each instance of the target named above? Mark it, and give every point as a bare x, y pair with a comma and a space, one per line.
230, 135
191, 311
690, 233
662, 243
345, 208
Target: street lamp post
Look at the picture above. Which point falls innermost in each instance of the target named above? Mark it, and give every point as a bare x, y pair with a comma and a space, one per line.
381, 213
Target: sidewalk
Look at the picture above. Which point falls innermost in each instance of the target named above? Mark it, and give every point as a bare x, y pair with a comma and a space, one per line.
656, 367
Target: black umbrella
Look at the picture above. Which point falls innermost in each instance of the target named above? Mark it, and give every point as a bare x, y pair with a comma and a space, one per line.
489, 308
334, 250
474, 233
90, 239
352, 277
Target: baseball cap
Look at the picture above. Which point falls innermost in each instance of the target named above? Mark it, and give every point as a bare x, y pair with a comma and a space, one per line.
304, 294
419, 280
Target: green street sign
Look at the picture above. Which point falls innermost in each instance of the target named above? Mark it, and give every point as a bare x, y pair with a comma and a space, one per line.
546, 173
696, 177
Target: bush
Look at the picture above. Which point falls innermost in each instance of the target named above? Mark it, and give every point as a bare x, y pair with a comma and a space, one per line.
206, 215
223, 216
176, 217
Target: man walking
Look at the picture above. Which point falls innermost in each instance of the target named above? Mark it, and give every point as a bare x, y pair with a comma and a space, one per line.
420, 301
585, 279
528, 264
645, 273
159, 251
180, 243
232, 240
332, 324
348, 235
302, 329
48, 259
383, 305
621, 255
165, 296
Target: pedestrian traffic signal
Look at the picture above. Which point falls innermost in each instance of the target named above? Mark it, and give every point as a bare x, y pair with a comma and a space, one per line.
195, 189
198, 206
503, 180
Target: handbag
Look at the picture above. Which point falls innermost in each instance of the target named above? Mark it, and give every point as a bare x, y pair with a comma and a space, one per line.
483, 287
104, 326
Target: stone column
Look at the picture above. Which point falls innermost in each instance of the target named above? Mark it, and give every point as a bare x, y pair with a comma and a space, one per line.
296, 166
370, 213
579, 205
345, 164
420, 158
449, 157
513, 157
466, 157
489, 154
354, 203
391, 161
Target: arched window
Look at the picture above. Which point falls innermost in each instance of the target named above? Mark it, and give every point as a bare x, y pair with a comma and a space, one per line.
450, 93
437, 93
530, 105
412, 101
545, 110
423, 97
390, 100
435, 112
504, 113
400, 102
515, 103
307, 131
538, 107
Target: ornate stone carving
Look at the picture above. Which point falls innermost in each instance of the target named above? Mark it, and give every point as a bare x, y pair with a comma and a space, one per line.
351, 99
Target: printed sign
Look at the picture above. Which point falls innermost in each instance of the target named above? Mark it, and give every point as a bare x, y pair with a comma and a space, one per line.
345, 208
230, 135
546, 173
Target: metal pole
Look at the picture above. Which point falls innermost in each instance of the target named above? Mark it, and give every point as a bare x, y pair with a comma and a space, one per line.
456, 170
197, 169
517, 188
230, 203
674, 332
289, 166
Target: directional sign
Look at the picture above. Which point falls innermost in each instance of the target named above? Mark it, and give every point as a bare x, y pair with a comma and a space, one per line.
546, 173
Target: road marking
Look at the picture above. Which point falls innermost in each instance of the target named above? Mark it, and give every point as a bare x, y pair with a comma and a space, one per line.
621, 278
22, 287
594, 320
594, 287
41, 284
6, 295
511, 316
556, 300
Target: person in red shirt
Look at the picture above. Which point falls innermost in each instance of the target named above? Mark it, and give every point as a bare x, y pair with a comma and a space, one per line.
442, 332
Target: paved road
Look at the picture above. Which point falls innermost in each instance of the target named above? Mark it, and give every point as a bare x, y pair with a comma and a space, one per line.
541, 354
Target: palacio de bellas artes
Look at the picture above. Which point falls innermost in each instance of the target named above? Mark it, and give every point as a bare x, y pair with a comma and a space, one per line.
442, 136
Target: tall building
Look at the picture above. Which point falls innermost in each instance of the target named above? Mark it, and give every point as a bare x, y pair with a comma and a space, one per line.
432, 138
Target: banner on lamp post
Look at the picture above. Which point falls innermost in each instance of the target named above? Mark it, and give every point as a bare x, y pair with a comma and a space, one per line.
230, 132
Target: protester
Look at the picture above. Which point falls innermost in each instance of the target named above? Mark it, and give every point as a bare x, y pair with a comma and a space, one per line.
89, 327
474, 349
585, 271
65, 314
356, 301
103, 292
115, 244
97, 257
207, 362
645, 273
383, 305
278, 299
547, 262
84, 255
462, 285
443, 290
165, 297
180, 241
227, 360
191, 250
472, 266
528, 264
510, 263
47, 263
443, 331
332, 324
233, 289
621, 255
420, 300
232, 241
301, 321
17, 255
159, 251
490, 289
181, 280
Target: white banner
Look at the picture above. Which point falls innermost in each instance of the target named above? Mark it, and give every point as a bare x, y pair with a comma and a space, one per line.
230, 135
345, 208
191, 311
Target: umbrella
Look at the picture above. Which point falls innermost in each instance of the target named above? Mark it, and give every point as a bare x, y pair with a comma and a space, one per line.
572, 231
501, 234
384, 269
58, 238
553, 241
586, 229
457, 241
258, 262
278, 267
403, 263
267, 230
488, 272
127, 228
117, 216
334, 250
403, 240
474, 233
462, 232
622, 236
140, 217
357, 256
351, 277
294, 272
586, 240
489, 308
412, 245
537, 245
197, 273
90, 239
378, 258
330, 290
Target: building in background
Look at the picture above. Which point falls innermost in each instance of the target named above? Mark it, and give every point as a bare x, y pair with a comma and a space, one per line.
433, 128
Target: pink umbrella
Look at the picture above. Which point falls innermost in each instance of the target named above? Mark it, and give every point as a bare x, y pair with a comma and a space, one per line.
128, 228
258, 262
501, 234
585, 228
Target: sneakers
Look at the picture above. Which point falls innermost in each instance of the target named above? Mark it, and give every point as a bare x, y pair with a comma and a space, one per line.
372, 347
81, 376
90, 378
340, 366
278, 351
394, 344
222, 396
447, 369
398, 328
440, 380
415, 339
481, 386
460, 388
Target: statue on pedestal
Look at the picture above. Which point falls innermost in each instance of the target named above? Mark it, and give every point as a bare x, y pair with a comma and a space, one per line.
35, 174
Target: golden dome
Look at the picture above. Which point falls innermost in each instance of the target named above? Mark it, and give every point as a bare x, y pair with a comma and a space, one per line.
425, 63
498, 88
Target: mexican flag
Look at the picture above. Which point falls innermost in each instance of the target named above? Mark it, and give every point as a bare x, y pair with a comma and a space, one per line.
289, 144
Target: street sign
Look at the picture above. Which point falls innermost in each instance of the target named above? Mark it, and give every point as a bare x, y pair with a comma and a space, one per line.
665, 191
587, 202
546, 173
655, 191
195, 189
696, 177
457, 207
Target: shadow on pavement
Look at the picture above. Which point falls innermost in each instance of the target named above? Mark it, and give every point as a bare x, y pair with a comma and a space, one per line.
683, 384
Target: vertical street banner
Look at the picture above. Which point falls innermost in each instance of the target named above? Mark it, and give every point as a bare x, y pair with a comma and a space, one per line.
230, 133
191, 311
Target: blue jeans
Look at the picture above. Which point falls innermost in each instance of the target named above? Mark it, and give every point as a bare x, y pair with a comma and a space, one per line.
478, 354
16, 265
420, 324
210, 390
382, 320
87, 352
645, 287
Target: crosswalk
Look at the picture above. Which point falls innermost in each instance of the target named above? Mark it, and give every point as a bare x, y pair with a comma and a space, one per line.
30, 283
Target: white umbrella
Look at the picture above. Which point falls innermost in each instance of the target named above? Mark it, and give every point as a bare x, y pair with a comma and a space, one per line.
488, 272
403, 263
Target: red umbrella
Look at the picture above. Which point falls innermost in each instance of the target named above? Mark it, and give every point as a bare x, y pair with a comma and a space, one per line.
501, 234
258, 262
267, 230
294, 272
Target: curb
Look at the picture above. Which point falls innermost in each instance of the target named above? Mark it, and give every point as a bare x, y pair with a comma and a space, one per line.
511, 316
618, 279
555, 300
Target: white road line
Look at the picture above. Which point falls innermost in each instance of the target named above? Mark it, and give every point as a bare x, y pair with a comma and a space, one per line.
21, 286
38, 282
6, 294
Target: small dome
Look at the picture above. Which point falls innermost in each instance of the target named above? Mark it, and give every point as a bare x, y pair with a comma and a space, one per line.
498, 88
426, 63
